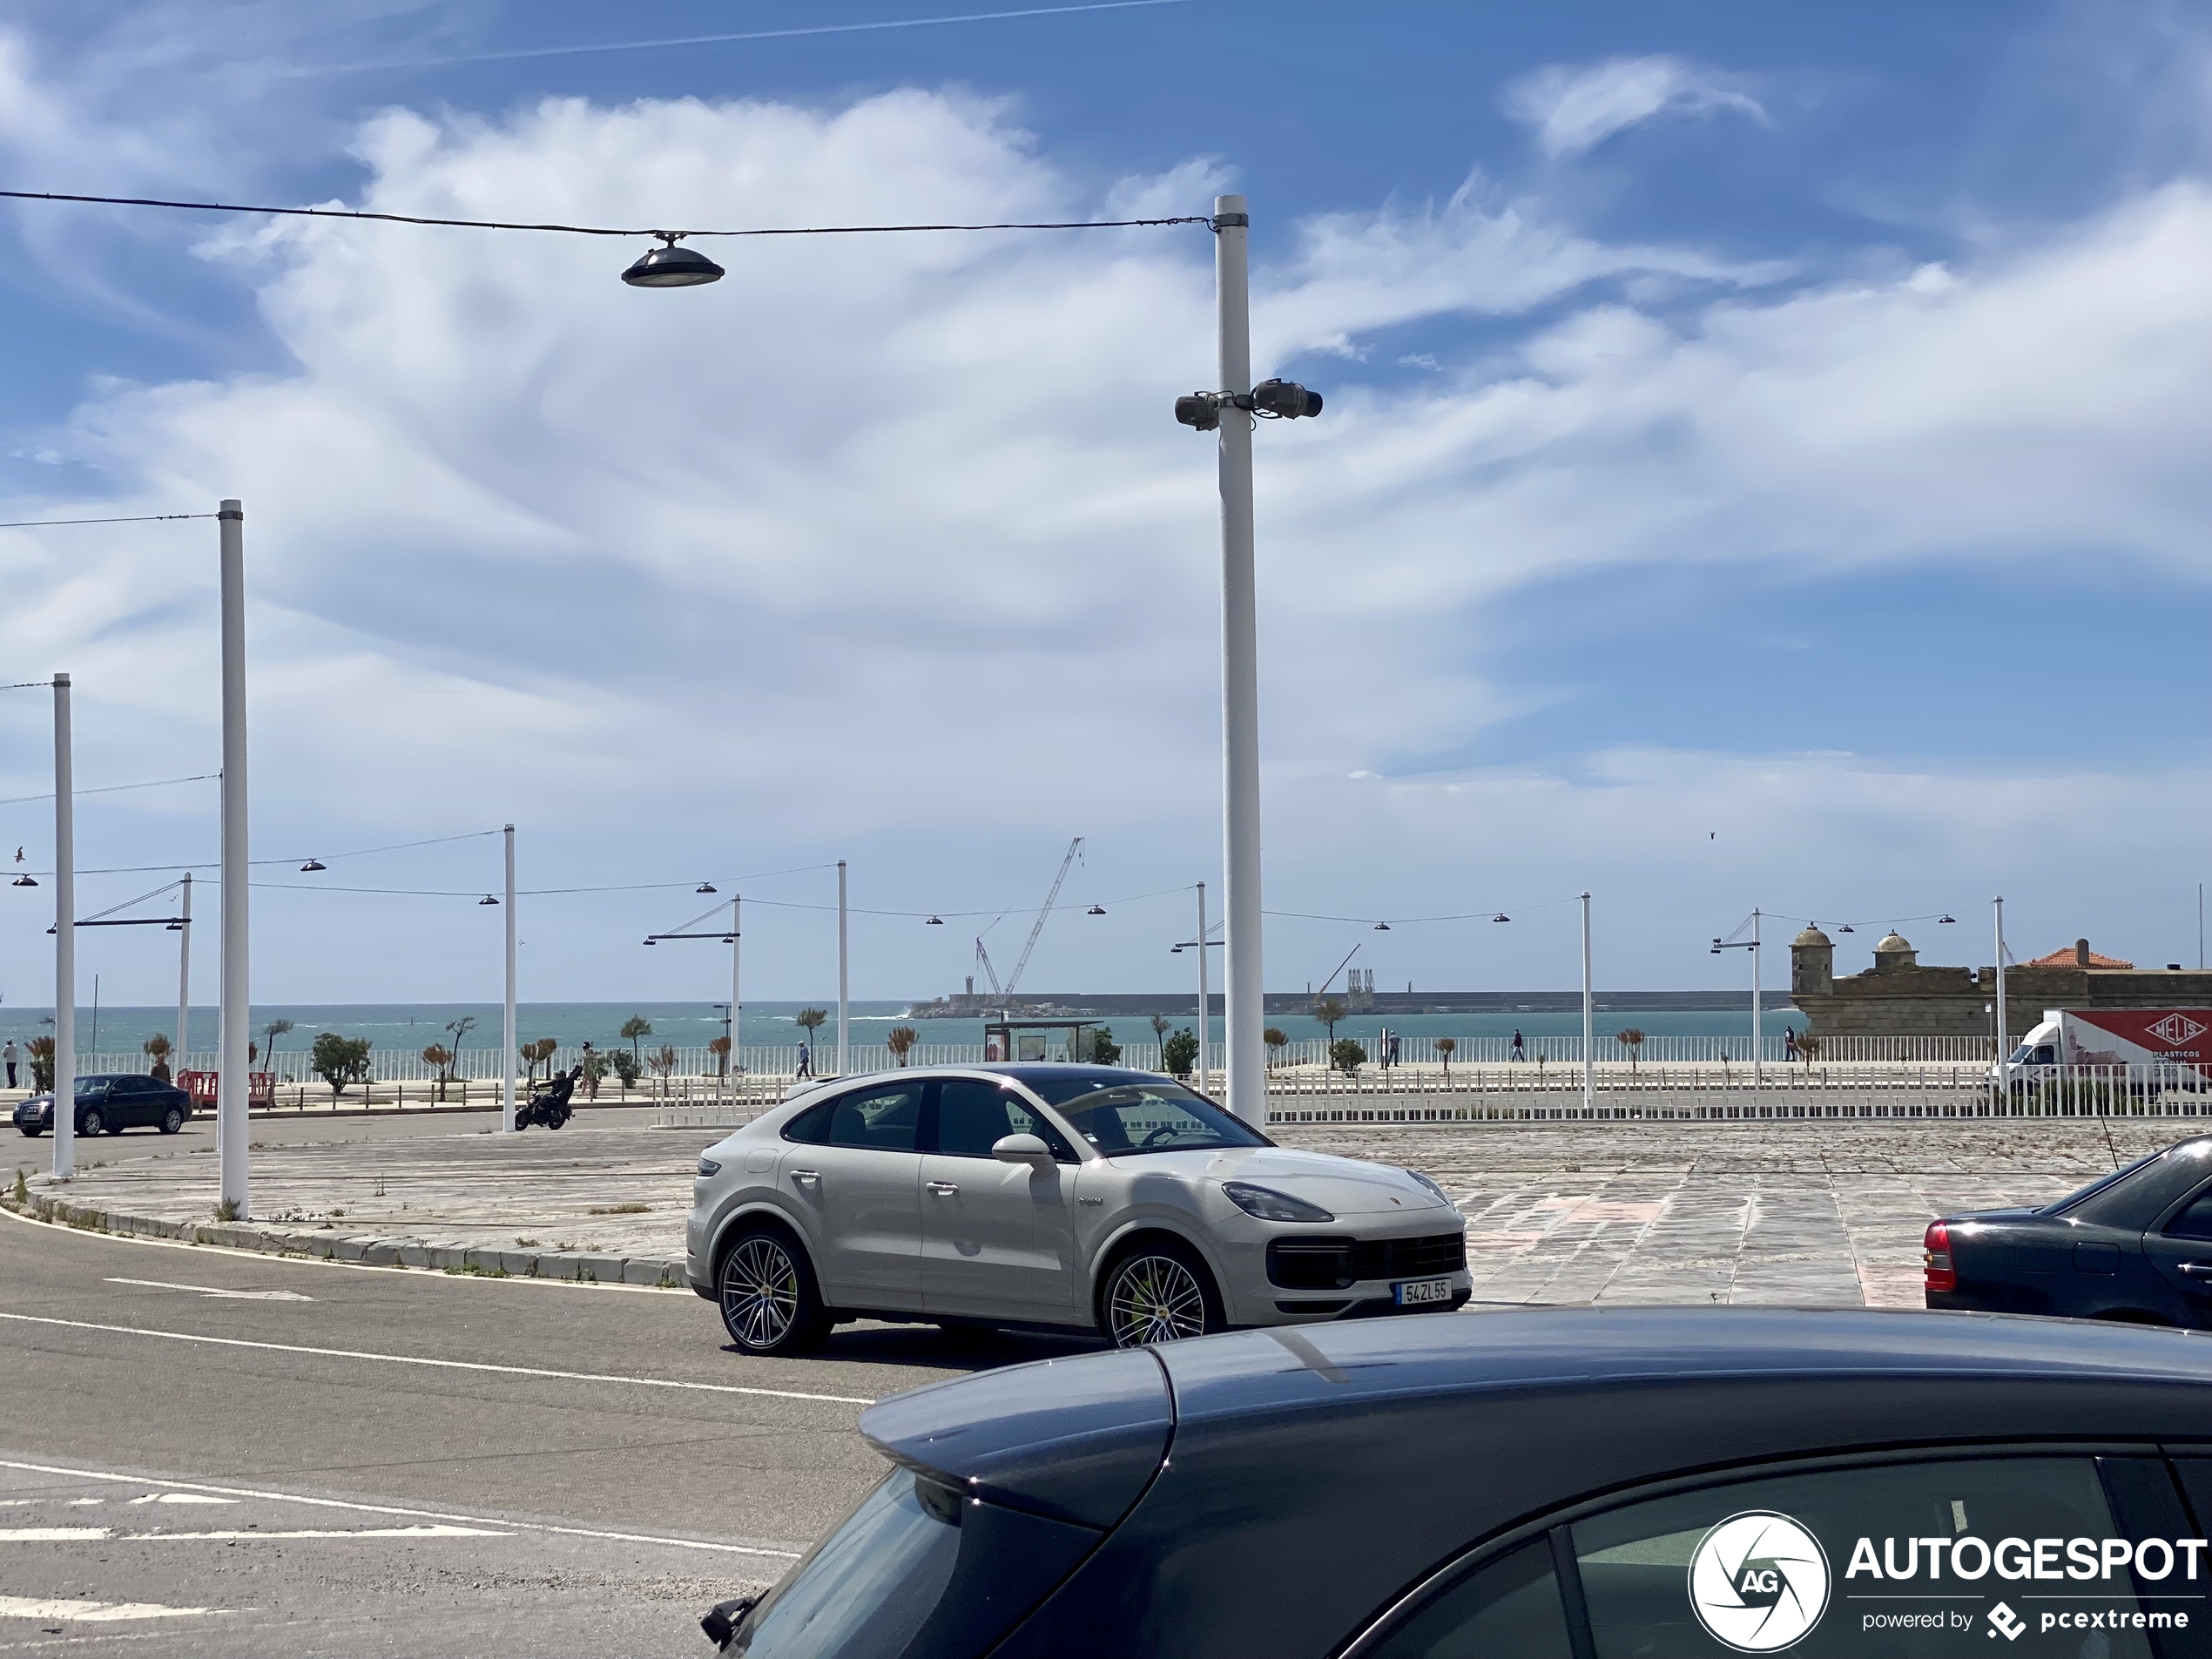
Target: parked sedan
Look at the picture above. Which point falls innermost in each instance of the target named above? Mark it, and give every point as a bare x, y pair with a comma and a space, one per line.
1587, 1484
1060, 1196
2134, 1245
111, 1104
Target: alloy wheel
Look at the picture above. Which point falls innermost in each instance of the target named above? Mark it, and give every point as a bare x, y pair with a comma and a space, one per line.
759, 1292
1155, 1299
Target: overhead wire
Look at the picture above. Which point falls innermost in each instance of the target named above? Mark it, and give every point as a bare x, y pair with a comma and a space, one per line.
591, 230
133, 518
112, 789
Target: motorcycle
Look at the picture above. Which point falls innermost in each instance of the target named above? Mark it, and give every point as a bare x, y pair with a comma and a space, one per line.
547, 1106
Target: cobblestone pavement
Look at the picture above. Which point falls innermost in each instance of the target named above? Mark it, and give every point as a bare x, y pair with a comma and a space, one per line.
1826, 1215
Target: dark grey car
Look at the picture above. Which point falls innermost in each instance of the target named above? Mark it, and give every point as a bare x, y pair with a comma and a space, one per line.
1558, 1485
109, 1103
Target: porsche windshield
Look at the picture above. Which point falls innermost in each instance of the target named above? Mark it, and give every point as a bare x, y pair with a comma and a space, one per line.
1151, 1117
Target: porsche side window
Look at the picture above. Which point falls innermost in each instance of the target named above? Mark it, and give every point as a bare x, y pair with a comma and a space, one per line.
1510, 1607
1904, 1560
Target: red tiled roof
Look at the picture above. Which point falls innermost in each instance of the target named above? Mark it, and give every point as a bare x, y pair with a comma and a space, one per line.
2065, 959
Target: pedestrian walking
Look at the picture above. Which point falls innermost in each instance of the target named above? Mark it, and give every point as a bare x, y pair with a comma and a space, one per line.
1520, 1048
806, 1061
588, 1067
9, 1054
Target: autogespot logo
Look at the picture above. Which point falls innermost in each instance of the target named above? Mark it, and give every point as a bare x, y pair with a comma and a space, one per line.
1759, 1581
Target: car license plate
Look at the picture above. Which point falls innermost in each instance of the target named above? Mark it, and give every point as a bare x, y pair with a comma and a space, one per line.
1420, 1292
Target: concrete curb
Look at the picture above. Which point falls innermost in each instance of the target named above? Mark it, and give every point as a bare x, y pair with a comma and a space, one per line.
449, 1256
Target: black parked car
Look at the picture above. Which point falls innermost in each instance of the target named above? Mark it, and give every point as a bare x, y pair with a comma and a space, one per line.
111, 1104
2134, 1245
1558, 1485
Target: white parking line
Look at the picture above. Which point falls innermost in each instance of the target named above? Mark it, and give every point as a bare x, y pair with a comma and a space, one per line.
395, 1509
24, 1607
210, 1290
168, 1497
443, 1364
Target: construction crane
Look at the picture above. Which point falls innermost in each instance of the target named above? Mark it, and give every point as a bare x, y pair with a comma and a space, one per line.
982, 956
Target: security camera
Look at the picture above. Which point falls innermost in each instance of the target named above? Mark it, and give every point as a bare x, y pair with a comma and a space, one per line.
1285, 400
1201, 410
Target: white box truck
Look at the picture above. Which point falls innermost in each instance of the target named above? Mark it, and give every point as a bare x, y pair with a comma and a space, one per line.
2101, 1038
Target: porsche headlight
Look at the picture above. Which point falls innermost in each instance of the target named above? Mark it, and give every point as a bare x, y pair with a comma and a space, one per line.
1270, 1205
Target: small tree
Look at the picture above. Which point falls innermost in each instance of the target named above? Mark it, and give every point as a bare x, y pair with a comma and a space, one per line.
626, 1067
1346, 1055
719, 1047
1160, 1023
1632, 1039
339, 1060
41, 1063
534, 1054
1179, 1054
662, 1060
457, 1029
156, 1049
811, 1021
1445, 1047
635, 1027
271, 1031
439, 1058
900, 1041
1276, 1040
1105, 1051
1328, 1011
1809, 1047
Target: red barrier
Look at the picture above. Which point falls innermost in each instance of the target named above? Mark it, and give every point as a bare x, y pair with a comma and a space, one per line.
260, 1088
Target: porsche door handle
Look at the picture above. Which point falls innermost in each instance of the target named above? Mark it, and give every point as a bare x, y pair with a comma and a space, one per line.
805, 1175
2197, 1269
945, 1187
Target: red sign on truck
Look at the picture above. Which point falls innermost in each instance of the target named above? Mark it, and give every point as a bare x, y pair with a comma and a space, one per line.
2138, 1037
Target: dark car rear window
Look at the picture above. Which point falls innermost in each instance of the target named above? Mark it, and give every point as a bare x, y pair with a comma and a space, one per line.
2137, 1196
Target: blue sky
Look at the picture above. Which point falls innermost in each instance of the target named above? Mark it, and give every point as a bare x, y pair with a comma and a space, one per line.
1762, 466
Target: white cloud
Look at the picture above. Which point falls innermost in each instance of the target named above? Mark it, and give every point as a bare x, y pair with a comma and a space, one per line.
1573, 110
892, 543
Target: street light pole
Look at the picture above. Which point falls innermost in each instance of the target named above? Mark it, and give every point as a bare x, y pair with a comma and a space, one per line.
843, 1051
234, 1081
507, 1069
184, 974
737, 944
2004, 1038
1244, 1007
1758, 1055
1205, 1000
1589, 1073
64, 937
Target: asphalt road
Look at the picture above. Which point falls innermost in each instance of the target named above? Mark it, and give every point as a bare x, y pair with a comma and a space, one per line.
250, 1455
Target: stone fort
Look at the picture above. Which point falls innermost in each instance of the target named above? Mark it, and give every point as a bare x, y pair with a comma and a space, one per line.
1902, 996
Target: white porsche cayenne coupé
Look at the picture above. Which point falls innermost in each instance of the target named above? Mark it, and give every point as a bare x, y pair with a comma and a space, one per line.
1057, 1196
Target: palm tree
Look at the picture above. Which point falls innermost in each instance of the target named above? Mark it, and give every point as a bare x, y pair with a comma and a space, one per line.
1160, 1023
662, 1060
156, 1049
811, 1021
1632, 1039
1445, 1047
1276, 1039
271, 1032
534, 1054
900, 1041
635, 1027
719, 1047
1328, 1011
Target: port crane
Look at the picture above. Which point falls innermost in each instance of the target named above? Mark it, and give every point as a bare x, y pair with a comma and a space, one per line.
983, 956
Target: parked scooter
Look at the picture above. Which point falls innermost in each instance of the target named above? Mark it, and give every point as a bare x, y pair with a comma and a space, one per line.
547, 1106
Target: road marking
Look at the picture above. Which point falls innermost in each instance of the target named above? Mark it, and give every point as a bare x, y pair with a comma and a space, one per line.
395, 1509
210, 1290
167, 1497
443, 1365
52, 1535
23, 1606
116, 1536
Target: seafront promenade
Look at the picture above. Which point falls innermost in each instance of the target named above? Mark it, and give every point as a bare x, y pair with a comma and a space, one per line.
1620, 1212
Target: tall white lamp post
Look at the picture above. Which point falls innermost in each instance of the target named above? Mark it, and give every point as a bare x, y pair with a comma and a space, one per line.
183, 972
64, 937
1751, 945
844, 1051
2004, 1040
1589, 1063
233, 1079
1231, 411
507, 1066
